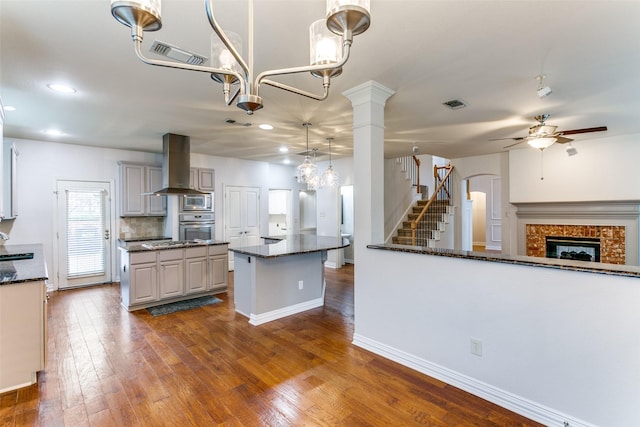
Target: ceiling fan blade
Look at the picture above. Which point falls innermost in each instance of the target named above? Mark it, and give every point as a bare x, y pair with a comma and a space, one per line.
514, 144
519, 138
586, 130
562, 139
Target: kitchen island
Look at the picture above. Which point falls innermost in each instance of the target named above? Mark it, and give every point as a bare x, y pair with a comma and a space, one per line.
160, 272
275, 280
23, 314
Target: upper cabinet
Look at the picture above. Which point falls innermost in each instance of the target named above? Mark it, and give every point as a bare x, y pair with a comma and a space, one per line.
202, 179
9, 209
136, 180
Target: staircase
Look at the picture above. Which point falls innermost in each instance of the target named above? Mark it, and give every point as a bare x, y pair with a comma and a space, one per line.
431, 226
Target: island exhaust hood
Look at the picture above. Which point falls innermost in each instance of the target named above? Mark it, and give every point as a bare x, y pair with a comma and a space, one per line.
176, 163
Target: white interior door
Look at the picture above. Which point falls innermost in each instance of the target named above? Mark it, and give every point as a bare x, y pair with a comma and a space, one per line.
84, 233
242, 218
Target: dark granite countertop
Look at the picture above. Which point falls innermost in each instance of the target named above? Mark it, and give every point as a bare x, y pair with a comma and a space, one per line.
562, 264
294, 244
143, 239
170, 244
23, 270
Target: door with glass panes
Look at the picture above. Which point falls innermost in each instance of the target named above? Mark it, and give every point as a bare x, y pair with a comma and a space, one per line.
83, 233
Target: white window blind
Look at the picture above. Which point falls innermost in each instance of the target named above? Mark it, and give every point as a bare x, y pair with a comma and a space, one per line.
85, 232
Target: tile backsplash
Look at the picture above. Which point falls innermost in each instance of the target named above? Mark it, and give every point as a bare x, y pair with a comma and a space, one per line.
135, 227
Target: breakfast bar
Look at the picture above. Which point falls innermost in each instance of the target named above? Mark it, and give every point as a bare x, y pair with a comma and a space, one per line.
275, 280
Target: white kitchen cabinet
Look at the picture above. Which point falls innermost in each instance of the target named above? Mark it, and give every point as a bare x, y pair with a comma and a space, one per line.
202, 179
23, 333
218, 268
139, 278
171, 273
195, 263
135, 180
9, 173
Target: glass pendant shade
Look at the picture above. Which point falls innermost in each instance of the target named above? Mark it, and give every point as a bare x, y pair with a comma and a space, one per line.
541, 143
306, 170
222, 58
314, 182
143, 13
329, 178
324, 46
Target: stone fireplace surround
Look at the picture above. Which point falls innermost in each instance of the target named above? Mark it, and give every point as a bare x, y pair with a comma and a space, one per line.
615, 223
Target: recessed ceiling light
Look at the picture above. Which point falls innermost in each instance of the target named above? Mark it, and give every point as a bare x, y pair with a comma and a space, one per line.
61, 88
54, 132
9, 108
265, 126
286, 161
284, 149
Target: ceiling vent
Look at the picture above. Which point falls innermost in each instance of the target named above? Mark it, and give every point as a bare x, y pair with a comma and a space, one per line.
176, 53
455, 104
233, 122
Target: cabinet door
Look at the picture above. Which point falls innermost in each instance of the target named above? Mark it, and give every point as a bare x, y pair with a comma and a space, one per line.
218, 272
156, 205
132, 178
196, 275
193, 178
143, 283
171, 278
206, 180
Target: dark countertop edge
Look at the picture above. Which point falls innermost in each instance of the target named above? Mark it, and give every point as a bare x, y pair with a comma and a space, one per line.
582, 266
143, 239
25, 270
140, 248
252, 250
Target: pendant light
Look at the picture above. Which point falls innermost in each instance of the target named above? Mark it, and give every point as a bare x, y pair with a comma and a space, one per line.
330, 176
307, 169
313, 182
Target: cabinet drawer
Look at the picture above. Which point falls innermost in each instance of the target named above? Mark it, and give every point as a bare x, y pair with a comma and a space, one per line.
196, 252
170, 255
218, 249
143, 257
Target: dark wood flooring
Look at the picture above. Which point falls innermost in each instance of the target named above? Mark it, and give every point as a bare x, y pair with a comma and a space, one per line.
208, 367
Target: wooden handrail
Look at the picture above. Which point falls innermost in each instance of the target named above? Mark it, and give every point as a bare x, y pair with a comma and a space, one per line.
441, 186
417, 162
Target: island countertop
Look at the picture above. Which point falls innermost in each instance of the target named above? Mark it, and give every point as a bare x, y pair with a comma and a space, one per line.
168, 244
22, 270
294, 244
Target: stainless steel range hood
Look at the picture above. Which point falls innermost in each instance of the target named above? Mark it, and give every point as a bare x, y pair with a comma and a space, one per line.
176, 163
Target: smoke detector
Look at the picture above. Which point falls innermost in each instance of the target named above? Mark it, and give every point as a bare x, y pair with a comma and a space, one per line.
543, 91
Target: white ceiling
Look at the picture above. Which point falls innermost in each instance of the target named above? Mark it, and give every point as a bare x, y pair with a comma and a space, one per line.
486, 53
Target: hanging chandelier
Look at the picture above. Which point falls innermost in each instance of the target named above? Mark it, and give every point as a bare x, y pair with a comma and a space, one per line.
306, 170
344, 19
330, 176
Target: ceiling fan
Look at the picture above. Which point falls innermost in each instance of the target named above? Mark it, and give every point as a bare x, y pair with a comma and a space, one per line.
542, 136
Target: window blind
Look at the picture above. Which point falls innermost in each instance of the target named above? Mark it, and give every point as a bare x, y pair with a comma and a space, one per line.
85, 232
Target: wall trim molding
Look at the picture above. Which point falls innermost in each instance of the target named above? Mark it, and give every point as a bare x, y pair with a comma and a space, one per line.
259, 319
515, 403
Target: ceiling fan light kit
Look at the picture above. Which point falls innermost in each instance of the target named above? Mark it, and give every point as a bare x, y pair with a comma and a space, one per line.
330, 41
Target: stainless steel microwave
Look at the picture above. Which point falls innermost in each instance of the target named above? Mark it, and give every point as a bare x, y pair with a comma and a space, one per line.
196, 203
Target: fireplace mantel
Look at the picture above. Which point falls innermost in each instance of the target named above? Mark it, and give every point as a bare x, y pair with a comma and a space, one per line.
601, 213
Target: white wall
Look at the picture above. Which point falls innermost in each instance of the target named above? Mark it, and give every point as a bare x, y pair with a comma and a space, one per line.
557, 345
604, 169
42, 163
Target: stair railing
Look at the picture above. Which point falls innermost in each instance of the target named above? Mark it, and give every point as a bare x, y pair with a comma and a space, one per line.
442, 176
411, 166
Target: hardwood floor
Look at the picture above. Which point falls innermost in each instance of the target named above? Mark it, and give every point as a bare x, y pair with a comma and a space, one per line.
208, 366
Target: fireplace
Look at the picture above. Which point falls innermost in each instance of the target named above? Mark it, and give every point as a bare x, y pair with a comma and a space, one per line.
574, 248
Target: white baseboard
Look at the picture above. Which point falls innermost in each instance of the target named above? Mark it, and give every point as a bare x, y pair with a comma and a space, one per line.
259, 319
510, 401
330, 264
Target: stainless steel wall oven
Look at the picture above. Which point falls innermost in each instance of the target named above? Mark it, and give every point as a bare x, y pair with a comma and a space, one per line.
197, 226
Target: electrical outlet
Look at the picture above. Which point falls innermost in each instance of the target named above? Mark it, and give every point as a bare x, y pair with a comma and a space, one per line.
300, 285
476, 347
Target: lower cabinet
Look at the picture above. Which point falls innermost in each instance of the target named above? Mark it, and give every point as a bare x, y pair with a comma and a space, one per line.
156, 277
23, 333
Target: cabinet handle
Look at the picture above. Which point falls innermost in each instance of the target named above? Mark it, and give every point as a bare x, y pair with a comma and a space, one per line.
124, 268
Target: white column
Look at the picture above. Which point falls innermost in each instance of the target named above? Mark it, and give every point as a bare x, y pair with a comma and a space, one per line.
368, 101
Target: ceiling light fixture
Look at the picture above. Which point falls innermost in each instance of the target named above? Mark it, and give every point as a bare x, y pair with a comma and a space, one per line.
9, 108
344, 19
542, 142
543, 90
54, 132
313, 182
330, 176
61, 88
307, 169
571, 150
284, 149
265, 126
